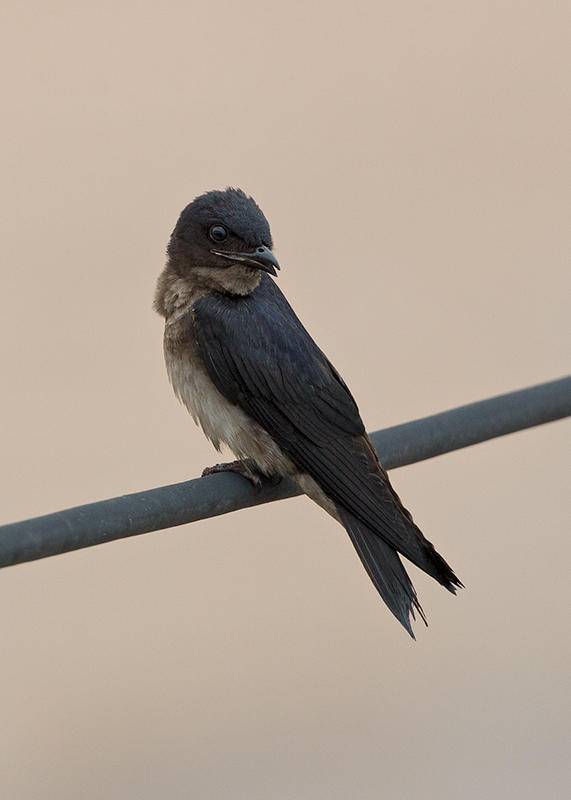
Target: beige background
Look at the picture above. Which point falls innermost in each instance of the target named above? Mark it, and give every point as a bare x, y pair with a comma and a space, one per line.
411, 160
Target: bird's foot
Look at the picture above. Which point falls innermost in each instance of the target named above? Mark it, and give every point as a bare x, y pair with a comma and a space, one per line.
243, 467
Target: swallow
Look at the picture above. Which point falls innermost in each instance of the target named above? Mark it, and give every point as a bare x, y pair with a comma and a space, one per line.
252, 377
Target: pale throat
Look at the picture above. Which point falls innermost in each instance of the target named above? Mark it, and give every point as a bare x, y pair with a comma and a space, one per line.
175, 295
237, 279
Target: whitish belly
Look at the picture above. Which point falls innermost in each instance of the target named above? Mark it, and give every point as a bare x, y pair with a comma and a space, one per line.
222, 421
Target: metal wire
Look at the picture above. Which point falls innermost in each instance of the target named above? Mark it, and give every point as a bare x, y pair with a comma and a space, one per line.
167, 506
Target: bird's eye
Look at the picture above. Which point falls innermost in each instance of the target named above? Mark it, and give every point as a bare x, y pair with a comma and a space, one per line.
217, 233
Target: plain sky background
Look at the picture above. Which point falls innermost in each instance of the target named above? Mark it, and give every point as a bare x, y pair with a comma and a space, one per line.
411, 158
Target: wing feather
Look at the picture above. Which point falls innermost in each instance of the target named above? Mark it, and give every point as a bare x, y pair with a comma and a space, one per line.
261, 358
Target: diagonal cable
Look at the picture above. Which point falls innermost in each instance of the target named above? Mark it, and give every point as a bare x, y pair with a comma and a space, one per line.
167, 506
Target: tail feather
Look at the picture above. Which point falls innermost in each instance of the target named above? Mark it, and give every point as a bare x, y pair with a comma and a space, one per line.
378, 547
385, 569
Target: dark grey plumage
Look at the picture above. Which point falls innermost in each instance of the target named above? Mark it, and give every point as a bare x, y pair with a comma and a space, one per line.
266, 366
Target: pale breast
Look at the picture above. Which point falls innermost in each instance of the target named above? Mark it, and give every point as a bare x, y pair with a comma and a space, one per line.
223, 422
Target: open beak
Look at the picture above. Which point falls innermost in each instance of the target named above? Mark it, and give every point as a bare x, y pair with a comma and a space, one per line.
260, 258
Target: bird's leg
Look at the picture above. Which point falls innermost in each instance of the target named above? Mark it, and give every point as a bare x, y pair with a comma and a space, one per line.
245, 467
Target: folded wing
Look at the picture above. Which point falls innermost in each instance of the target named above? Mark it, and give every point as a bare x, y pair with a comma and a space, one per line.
261, 358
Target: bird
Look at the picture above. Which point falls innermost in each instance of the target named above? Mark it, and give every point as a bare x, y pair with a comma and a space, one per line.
253, 378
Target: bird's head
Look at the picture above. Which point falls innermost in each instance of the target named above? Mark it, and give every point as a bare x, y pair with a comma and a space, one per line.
219, 230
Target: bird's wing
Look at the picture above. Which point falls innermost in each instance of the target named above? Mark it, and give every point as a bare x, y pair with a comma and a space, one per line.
261, 358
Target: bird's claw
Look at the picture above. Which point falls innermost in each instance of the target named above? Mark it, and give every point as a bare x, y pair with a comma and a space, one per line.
243, 468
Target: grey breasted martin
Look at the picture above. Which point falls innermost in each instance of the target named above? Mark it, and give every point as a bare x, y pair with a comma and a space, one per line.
253, 378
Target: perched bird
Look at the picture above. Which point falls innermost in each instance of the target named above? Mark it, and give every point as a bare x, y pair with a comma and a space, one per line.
253, 378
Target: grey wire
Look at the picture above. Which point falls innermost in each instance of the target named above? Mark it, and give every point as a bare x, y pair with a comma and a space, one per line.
167, 506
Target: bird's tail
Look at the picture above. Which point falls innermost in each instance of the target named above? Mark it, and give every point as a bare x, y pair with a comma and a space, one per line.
385, 569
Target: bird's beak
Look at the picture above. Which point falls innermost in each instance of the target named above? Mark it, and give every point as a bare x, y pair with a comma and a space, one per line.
260, 258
